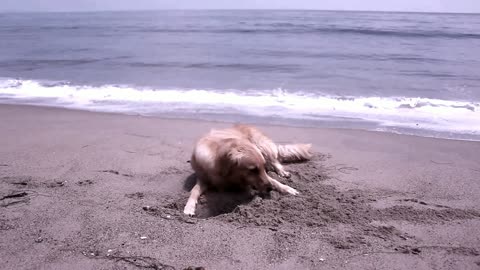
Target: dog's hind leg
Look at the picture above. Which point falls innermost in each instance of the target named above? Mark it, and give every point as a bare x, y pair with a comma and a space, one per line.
197, 190
282, 188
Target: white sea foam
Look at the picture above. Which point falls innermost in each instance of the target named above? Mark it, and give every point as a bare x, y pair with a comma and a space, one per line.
462, 117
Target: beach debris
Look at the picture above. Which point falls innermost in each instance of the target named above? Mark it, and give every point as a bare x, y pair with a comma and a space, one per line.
141, 262
322, 259
14, 195
85, 182
143, 237
116, 173
14, 198
408, 250
135, 196
189, 220
163, 213
58, 183
91, 253
110, 171
20, 183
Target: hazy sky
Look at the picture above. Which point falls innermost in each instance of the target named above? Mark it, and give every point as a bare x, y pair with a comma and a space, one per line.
383, 5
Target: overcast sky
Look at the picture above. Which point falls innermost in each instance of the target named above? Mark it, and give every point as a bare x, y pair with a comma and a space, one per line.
469, 6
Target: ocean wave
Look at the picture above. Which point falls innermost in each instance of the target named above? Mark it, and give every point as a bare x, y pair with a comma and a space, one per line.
403, 33
309, 29
32, 64
260, 28
462, 117
223, 66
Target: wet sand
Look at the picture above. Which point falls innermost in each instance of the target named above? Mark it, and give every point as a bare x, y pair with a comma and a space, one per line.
82, 190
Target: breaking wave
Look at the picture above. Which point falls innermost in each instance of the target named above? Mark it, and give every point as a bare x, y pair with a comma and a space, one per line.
454, 116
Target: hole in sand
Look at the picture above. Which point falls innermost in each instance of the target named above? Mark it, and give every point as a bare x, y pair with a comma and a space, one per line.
320, 205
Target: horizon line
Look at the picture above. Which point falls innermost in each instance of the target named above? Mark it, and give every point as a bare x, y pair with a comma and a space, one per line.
239, 9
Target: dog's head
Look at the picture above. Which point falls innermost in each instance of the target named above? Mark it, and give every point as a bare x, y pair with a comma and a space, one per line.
243, 163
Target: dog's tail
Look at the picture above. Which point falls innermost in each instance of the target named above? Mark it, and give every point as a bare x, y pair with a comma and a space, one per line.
294, 152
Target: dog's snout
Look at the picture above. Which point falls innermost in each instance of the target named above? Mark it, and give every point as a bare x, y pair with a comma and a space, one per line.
265, 191
266, 187
262, 187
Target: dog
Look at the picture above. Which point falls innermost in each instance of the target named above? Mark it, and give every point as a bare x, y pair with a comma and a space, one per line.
241, 156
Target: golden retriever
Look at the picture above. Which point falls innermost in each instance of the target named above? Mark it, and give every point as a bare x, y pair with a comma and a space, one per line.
241, 156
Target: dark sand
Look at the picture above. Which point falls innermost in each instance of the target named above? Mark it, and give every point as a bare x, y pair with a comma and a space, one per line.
84, 190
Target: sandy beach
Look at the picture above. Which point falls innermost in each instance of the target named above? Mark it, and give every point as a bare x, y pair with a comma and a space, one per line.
83, 190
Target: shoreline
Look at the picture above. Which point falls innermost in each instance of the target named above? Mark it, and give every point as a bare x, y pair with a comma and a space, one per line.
90, 190
258, 120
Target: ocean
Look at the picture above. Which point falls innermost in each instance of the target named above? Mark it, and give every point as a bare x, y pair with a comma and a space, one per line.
410, 73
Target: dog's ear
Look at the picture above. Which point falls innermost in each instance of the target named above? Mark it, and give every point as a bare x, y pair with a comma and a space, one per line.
228, 159
225, 164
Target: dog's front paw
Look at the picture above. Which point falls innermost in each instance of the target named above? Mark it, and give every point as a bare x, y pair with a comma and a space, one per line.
290, 190
189, 210
285, 174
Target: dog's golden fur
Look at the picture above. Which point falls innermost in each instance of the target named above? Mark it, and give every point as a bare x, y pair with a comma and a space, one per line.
241, 156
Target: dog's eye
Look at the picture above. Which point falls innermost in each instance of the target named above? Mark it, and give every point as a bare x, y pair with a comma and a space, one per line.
254, 170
